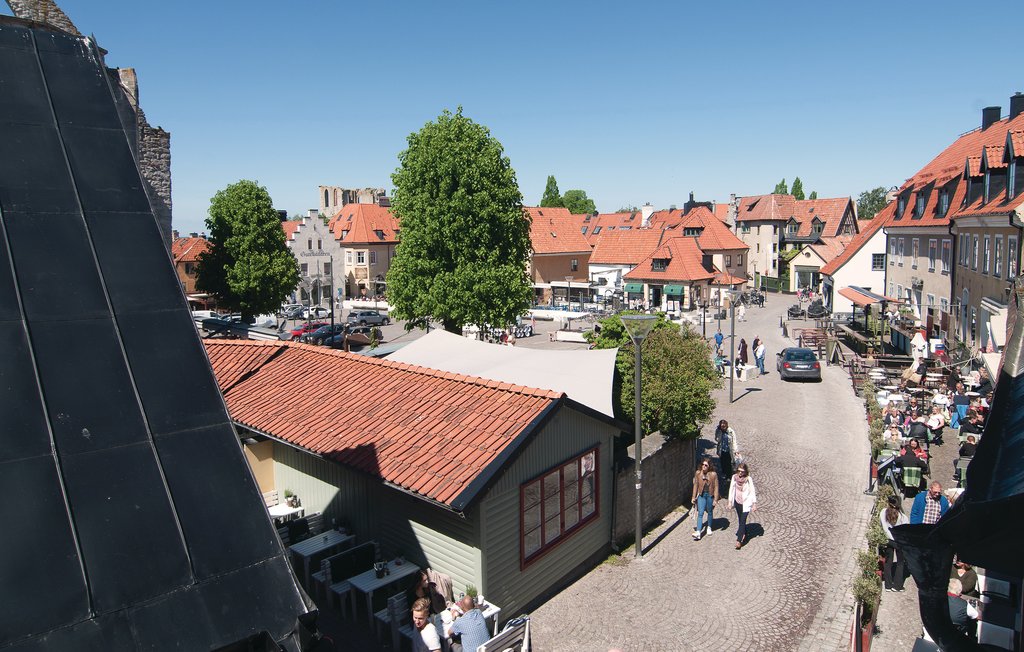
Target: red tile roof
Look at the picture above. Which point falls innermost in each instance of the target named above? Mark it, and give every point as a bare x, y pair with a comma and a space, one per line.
627, 247
426, 431
724, 278
1015, 139
716, 236
187, 250
290, 228
360, 223
765, 207
829, 248
866, 231
973, 166
722, 211
604, 223
685, 262
828, 211
994, 156
555, 231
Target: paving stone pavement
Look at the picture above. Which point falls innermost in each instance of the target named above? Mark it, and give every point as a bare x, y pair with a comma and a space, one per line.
789, 587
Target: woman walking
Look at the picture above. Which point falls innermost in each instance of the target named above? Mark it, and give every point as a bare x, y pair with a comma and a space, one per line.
743, 498
705, 495
725, 446
892, 572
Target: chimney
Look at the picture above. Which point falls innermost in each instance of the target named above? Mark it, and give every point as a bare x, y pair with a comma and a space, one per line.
1016, 104
989, 116
174, 234
203, 235
193, 235
645, 215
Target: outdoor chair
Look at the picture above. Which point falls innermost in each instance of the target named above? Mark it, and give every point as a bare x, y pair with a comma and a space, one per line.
298, 530
320, 577
347, 565
911, 478
960, 474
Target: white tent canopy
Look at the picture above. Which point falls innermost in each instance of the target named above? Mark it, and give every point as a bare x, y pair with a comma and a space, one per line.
584, 376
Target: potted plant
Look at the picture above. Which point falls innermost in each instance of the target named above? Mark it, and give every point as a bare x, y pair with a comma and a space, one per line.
291, 499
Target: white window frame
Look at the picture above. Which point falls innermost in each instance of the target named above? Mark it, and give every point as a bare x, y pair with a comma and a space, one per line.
987, 259
360, 257
997, 263
1011, 256
915, 250
900, 244
877, 268
947, 254
933, 252
974, 253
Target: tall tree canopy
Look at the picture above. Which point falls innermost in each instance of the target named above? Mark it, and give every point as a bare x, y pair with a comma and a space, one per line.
813, 195
678, 376
577, 202
870, 202
465, 239
781, 188
248, 266
798, 188
551, 198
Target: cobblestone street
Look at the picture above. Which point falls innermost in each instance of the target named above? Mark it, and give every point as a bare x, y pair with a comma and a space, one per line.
788, 589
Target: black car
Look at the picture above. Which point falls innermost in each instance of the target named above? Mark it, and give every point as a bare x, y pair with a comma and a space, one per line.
795, 311
794, 362
320, 335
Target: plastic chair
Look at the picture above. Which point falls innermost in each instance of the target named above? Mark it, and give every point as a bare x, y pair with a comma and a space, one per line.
911, 477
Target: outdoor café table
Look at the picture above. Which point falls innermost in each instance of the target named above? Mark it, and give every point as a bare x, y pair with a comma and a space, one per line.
282, 511
368, 582
329, 540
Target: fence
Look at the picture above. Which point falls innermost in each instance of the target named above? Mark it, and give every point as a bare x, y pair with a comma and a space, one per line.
667, 483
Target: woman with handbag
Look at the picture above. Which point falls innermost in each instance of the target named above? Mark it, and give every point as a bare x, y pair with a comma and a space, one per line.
743, 497
725, 446
892, 572
705, 495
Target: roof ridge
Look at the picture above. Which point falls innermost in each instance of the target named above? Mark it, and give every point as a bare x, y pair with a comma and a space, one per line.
417, 369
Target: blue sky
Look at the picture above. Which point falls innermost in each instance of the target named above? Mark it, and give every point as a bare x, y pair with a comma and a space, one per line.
632, 102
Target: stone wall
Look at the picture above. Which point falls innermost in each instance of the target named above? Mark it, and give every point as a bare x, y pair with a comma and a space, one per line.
155, 166
43, 11
667, 483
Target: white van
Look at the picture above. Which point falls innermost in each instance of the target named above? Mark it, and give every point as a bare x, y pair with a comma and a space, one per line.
206, 314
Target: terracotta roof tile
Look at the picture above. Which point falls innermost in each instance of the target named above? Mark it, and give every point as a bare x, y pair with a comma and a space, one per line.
605, 223
626, 247
684, 262
364, 224
290, 228
830, 248
765, 207
409, 426
555, 231
1015, 138
994, 156
188, 250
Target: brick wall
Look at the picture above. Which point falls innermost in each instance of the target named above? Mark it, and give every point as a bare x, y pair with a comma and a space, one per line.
667, 483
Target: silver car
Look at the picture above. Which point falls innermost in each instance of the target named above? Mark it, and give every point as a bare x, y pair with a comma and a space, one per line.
794, 362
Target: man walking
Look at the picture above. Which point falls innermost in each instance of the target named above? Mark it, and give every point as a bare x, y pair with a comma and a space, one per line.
759, 351
719, 338
929, 507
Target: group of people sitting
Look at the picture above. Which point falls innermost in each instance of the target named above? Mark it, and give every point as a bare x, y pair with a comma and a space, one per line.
437, 618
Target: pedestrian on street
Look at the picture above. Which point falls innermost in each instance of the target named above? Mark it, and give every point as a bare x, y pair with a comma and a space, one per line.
725, 446
759, 351
741, 312
705, 495
743, 351
892, 572
743, 498
719, 338
760, 298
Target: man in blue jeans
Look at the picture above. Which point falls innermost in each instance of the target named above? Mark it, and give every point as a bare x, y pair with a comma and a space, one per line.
759, 352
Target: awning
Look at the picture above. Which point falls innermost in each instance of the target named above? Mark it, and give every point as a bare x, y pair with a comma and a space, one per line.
635, 287
674, 290
862, 297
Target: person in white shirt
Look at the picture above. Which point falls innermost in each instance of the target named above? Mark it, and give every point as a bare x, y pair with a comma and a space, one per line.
892, 573
743, 498
759, 352
428, 640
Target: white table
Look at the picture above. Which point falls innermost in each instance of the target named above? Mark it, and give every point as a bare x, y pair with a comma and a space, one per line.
317, 544
284, 512
368, 582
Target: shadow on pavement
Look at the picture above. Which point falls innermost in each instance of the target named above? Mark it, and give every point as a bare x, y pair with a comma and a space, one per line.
668, 530
749, 390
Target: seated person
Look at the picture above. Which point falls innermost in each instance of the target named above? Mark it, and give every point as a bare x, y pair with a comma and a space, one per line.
425, 638
961, 612
468, 625
892, 416
914, 448
720, 362
968, 448
423, 588
914, 409
936, 424
960, 395
918, 429
973, 425
894, 437
967, 576
984, 382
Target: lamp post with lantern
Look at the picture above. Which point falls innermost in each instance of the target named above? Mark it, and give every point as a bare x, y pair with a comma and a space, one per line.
638, 327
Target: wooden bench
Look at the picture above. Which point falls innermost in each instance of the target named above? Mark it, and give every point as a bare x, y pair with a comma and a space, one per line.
301, 528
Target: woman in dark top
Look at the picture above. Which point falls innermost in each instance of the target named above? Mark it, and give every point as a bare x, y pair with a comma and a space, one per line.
422, 587
743, 351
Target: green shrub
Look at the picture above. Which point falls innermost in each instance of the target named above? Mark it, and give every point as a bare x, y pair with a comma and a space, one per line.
867, 591
875, 534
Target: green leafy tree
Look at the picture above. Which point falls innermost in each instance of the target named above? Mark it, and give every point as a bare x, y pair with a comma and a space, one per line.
248, 267
813, 195
678, 376
798, 188
552, 198
577, 202
465, 236
781, 188
870, 202
628, 209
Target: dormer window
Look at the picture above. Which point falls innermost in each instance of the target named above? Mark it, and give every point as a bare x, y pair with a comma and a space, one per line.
919, 205
659, 264
1012, 183
583, 230
943, 201
344, 234
792, 228
597, 229
817, 226
379, 233
692, 230
901, 205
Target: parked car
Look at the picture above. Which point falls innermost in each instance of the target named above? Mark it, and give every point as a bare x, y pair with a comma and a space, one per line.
302, 329
292, 310
318, 336
206, 314
817, 309
795, 311
316, 312
355, 343
793, 362
364, 317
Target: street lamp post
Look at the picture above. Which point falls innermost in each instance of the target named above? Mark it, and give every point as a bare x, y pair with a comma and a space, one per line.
568, 302
638, 327
732, 344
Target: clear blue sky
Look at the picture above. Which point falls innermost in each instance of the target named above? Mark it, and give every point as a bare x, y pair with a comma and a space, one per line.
632, 102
